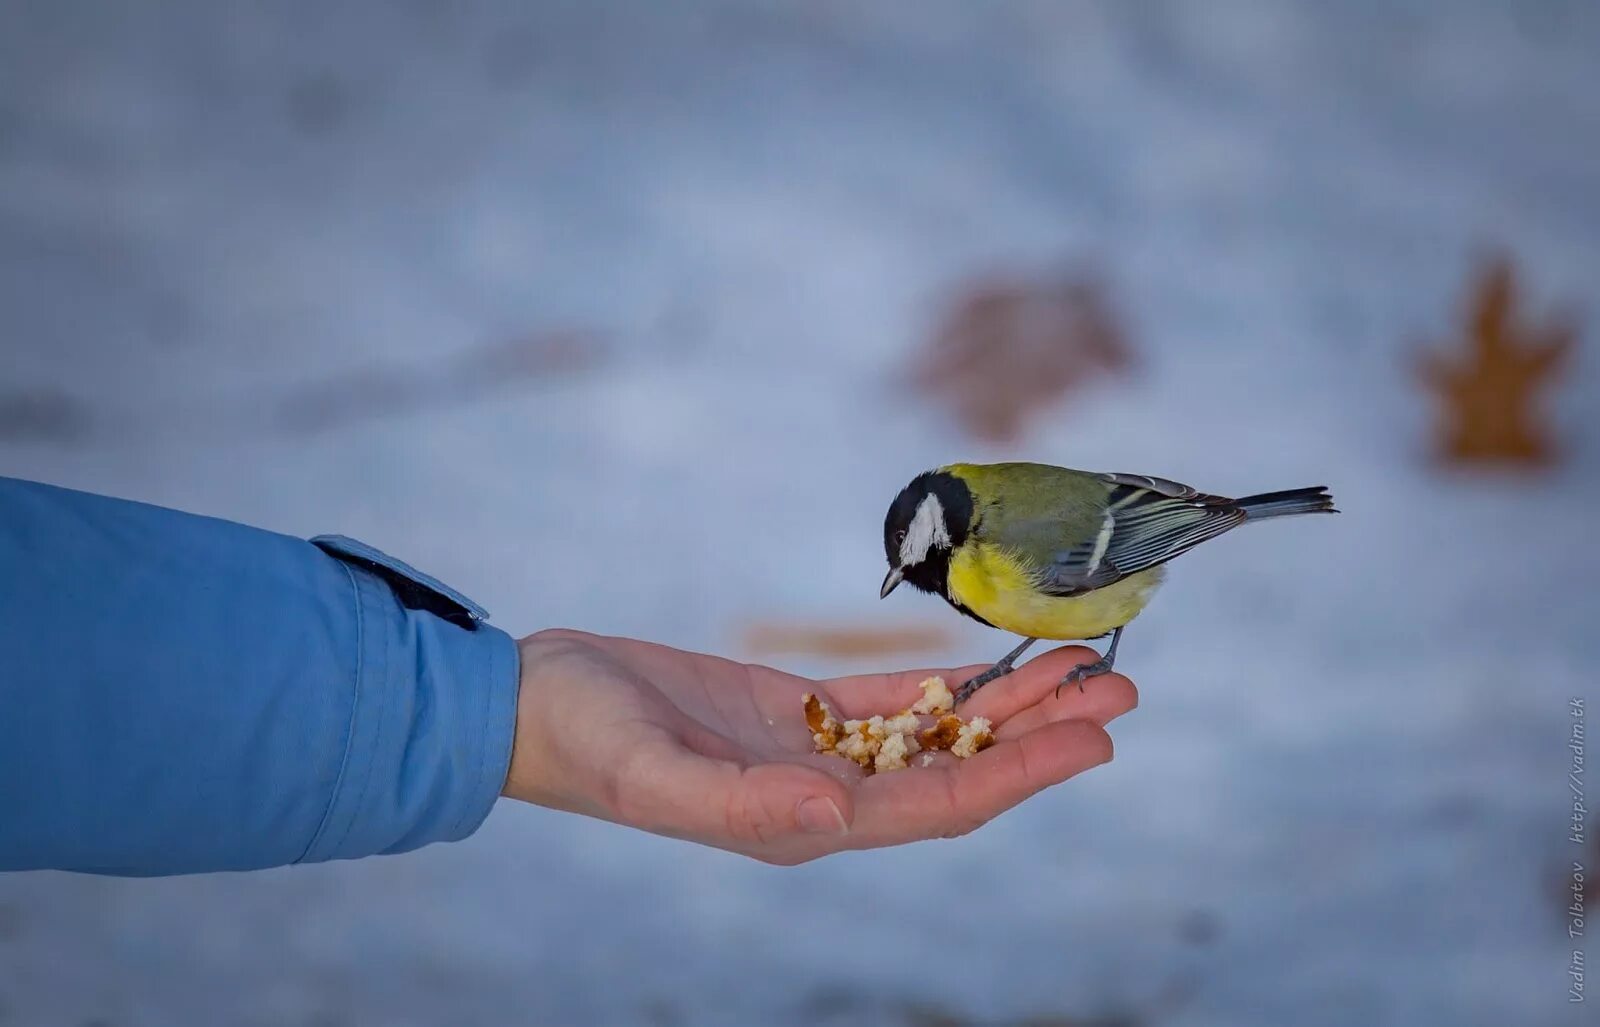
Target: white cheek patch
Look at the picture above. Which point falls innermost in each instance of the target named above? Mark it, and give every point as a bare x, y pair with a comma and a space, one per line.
927, 529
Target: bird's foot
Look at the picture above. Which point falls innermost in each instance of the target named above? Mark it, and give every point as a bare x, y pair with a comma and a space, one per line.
972, 685
1083, 672
1001, 668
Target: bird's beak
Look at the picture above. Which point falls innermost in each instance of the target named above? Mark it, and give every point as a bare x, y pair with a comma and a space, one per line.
890, 580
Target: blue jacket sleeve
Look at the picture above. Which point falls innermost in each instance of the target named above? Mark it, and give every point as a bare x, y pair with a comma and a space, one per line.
183, 694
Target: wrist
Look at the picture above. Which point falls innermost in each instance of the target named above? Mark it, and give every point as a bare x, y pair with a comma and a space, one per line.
534, 774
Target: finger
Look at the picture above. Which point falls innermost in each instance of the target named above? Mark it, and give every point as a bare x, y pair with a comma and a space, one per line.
864, 695
998, 778
1102, 700
1000, 699
948, 801
671, 790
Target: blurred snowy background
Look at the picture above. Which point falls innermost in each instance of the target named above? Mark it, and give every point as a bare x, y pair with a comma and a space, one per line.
517, 290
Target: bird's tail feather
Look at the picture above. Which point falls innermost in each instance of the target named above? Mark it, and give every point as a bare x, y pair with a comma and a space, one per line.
1290, 501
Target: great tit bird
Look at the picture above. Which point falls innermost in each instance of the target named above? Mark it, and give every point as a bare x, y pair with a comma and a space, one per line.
1046, 552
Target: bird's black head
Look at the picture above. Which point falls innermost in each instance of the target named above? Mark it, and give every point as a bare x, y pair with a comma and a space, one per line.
927, 520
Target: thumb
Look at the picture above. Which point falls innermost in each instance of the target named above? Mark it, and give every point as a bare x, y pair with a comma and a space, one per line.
721, 802
776, 799
772, 800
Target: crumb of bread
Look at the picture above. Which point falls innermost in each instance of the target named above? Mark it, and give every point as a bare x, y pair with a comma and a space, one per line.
825, 728
899, 742
936, 697
903, 724
871, 728
861, 741
888, 742
857, 748
943, 734
892, 756
975, 736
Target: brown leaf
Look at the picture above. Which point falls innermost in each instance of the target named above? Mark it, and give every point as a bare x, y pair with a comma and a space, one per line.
1491, 387
1009, 349
768, 639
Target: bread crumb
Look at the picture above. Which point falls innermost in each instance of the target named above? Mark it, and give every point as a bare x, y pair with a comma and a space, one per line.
975, 736
861, 741
936, 697
892, 755
825, 729
903, 724
871, 728
888, 742
943, 734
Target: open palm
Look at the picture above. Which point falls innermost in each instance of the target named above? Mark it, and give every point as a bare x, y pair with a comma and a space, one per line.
718, 752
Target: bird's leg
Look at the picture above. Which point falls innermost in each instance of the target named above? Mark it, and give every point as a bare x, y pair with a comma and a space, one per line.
999, 670
1084, 671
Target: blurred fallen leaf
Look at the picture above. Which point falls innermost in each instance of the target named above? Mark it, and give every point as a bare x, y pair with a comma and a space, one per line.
1489, 390
840, 1005
1008, 349
42, 417
318, 105
460, 378
771, 639
1199, 927
663, 1013
534, 356
934, 1016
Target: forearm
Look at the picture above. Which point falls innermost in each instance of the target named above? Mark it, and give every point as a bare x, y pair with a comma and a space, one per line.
182, 694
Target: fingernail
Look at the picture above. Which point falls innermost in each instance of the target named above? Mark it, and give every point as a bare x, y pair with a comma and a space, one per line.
821, 816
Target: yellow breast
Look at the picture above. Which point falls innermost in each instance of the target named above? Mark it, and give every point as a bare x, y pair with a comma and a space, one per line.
999, 588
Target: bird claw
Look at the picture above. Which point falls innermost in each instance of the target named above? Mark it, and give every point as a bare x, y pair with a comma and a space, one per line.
967, 690
1083, 672
1002, 667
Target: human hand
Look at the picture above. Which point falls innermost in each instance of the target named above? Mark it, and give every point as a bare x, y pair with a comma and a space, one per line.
718, 752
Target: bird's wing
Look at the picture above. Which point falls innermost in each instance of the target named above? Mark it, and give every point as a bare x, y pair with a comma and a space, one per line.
1147, 521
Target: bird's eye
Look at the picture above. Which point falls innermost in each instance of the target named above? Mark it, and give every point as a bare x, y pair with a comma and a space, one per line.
899, 537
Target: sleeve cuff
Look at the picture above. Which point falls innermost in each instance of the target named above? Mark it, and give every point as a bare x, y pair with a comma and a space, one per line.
431, 724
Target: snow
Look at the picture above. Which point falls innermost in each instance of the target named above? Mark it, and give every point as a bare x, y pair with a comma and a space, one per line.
1349, 753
